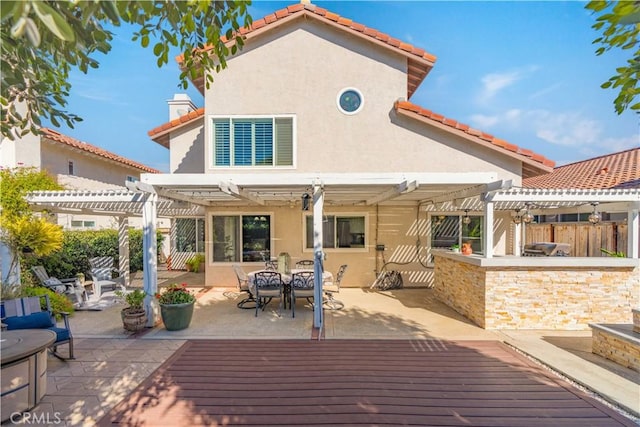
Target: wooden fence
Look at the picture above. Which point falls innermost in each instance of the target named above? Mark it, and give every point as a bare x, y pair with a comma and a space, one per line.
585, 239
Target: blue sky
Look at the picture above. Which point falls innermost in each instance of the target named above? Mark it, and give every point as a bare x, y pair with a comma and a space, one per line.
525, 72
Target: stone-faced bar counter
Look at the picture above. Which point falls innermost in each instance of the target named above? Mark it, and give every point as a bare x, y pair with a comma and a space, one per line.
566, 293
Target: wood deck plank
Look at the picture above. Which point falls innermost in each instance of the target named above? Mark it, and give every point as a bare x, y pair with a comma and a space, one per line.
369, 382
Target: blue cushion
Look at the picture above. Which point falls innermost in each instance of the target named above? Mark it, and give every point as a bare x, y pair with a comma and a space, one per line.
39, 320
62, 334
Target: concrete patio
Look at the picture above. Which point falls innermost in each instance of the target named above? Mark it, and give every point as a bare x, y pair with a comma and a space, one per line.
112, 362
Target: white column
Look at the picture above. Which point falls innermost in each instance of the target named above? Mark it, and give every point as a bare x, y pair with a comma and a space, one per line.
318, 203
123, 249
633, 222
150, 257
517, 240
488, 229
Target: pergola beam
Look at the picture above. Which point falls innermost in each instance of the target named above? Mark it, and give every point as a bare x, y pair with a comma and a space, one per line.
234, 190
404, 187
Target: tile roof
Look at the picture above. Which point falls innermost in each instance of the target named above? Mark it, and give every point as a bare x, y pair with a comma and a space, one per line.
535, 162
617, 170
160, 134
419, 62
56, 136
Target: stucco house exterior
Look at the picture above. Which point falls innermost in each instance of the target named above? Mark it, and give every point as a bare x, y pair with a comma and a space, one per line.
340, 105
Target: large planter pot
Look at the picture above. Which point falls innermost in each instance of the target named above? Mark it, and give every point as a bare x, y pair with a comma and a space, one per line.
133, 320
176, 316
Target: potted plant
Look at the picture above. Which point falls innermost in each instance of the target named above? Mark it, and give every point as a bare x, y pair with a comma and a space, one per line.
176, 306
195, 263
134, 316
455, 248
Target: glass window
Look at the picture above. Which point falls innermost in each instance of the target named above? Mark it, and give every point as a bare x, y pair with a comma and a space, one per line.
253, 141
71, 167
76, 223
350, 101
447, 230
338, 231
89, 223
245, 238
189, 234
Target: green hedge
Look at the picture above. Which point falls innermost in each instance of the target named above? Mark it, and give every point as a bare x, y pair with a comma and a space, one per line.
79, 246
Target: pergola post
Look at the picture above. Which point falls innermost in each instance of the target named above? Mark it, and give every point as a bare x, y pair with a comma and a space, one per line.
123, 249
633, 223
517, 240
488, 229
318, 204
149, 256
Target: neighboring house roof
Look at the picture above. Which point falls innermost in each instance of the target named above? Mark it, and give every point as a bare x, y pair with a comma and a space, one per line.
533, 163
419, 62
57, 137
616, 170
160, 134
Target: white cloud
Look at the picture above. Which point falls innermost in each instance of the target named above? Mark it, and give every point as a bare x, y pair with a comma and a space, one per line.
484, 122
494, 83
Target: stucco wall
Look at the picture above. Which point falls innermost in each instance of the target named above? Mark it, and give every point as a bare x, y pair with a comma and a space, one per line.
186, 153
56, 157
302, 70
537, 297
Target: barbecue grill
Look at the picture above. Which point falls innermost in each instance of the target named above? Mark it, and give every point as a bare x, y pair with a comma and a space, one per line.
546, 249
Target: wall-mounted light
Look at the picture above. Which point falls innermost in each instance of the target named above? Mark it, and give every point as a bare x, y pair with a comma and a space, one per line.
306, 200
440, 219
594, 217
466, 219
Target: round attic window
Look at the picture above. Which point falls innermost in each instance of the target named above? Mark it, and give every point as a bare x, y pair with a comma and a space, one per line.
350, 100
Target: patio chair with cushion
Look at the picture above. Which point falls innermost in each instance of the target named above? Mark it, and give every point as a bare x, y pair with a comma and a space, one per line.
70, 287
102, 275
27, 313
333, 287
268, 285
302, 285
243, 286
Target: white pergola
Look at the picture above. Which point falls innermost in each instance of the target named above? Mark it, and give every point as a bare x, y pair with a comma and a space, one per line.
122, 204
189, 194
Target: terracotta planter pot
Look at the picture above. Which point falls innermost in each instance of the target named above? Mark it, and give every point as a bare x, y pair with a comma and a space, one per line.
466, 249
176, 316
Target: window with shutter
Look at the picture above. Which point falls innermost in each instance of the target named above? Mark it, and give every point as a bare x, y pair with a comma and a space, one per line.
250, 141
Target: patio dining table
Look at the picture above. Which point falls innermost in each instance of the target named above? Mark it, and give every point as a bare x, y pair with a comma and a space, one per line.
327, 276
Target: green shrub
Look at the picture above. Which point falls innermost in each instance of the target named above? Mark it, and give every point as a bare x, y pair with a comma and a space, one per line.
59, 303
79, 246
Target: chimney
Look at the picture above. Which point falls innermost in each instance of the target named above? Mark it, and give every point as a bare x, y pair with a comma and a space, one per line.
180, 105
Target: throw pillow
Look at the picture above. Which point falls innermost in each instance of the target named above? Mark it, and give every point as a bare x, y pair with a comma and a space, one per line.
38, 320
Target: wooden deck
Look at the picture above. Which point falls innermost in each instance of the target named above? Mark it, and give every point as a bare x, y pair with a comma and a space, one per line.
356, 382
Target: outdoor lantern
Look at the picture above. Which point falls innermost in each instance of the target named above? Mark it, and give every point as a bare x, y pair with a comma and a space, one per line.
527, 217
517, 218
466, 219
594, 217
305, 201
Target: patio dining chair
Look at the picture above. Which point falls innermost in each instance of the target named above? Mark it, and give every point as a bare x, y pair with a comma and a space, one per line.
271, 265
243, 286
302, 285
305, 264
333, 287
268, 285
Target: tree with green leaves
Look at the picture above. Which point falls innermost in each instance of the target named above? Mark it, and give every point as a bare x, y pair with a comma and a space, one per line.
43, 40
619, 22
20, 231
